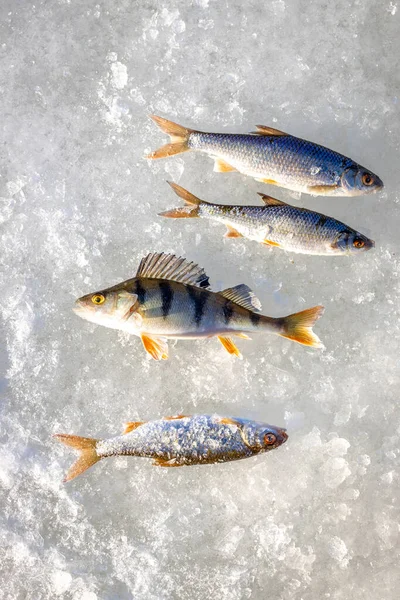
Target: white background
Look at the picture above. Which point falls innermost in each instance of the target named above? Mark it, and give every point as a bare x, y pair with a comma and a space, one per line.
315, 519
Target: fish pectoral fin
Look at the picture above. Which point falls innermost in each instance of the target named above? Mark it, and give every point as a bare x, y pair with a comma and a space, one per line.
162, 462
230, 346
322, 190
269, 181
232, 233
265, 130
175, 417
271, 243
221, 166
157, 347
131, 425
269, 201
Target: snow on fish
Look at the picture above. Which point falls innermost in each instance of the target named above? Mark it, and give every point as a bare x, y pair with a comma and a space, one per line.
179, 441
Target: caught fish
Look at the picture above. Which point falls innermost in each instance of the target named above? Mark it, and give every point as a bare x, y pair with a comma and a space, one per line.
170, 297
274, 157
179, 441
276, 224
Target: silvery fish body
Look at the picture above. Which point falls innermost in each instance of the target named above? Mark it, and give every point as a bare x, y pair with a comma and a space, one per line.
274, 157
276, 224
170, 298
180, 441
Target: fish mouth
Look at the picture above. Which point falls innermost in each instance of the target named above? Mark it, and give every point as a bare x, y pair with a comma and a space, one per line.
79, 307
282, 436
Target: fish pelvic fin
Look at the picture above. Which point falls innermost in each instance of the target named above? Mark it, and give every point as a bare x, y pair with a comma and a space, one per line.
157, 347
298, 327
230, 346
179, 138
191, 208
87, 451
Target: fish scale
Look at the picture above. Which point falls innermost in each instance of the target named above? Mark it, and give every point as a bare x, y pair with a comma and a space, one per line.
273, 157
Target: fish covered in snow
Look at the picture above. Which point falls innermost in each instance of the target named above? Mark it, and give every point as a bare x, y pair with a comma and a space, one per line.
276, 224
170, 297
274, 157
179, 441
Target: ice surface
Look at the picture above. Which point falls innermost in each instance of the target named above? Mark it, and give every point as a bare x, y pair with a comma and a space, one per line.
316, 519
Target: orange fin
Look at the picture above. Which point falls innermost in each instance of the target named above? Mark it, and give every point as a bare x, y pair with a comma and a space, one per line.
131, 425
269, 201
265, 130
269, 181
157, 347
176, 417
229, 346
161, 462
221, 166
243, 336
179, 138
232, 233
321, 190
228, 421
271, 243
87, 450
298, 327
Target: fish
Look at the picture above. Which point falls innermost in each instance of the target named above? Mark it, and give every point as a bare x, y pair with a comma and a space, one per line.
179, 441
276, 224
274, 157
170, 298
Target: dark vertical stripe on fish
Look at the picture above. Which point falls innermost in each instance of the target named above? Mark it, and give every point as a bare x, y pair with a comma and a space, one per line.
140, 291
228, 311
321, 222
255, 318
167, 294
199, 300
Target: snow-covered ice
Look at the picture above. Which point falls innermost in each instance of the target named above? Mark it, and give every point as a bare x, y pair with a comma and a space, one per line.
317, 518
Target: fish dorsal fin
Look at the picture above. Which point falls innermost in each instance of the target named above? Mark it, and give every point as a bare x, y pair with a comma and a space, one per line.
131, 425
244, 296
269, 201
173, 268
265, 130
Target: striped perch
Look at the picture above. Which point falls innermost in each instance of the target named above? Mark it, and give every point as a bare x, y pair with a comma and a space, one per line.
170, 298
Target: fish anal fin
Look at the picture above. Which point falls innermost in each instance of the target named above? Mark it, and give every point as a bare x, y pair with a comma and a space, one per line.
244, 296
230, 346
265, 130
131, 425
172, 268
269, 201
221, 166
175, 417
271, 243
157, 347
162, 462
231, 232
269, 181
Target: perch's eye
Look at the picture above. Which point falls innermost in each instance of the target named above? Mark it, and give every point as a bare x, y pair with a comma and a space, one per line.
367, 179
358, 243
269, 439
98, 299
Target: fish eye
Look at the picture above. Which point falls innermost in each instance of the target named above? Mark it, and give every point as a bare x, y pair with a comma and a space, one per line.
98, 299
367, 179
358, 243
269, 439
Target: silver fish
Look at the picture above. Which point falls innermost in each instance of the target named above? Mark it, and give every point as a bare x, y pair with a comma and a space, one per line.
274, 157
276, 224
179, 441
170, 298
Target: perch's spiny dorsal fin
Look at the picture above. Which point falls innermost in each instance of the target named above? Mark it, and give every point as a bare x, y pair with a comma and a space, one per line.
173, 268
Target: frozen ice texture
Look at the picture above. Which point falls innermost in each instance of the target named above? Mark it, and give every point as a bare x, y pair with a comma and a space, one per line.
318, 518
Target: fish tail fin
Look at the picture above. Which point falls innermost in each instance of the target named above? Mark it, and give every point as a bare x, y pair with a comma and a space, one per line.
179, 138
298, 327
191, 208
87, 451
